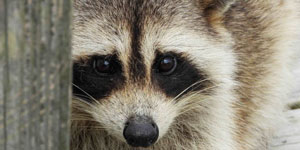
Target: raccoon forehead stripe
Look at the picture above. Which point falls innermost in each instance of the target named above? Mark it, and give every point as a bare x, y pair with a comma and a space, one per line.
136, 62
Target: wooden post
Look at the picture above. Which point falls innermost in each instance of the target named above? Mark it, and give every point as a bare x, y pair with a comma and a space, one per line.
35, 74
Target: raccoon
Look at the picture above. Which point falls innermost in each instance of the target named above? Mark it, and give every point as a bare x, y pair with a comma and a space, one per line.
180, 74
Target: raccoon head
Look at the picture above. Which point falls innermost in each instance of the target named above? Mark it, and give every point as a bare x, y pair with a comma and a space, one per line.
145, 70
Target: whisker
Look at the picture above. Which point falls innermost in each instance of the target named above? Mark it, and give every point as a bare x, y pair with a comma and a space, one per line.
82, 101
82, 96
85, 93
191, 86
187, 104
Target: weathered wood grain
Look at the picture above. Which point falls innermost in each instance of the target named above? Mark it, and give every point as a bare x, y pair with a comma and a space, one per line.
288, 135
35, 74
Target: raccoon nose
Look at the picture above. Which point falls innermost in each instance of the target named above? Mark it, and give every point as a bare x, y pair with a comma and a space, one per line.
141, 132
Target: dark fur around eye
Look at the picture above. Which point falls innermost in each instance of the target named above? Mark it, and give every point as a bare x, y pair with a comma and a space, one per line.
88, 82
185, 75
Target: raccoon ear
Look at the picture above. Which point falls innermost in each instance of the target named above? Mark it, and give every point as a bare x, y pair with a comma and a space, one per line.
219, 6
214, 10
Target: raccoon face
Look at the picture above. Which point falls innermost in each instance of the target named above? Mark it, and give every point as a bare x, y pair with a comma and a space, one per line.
138, 66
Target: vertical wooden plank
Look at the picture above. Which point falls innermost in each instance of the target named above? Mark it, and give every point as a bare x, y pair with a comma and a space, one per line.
4, 75
35, 68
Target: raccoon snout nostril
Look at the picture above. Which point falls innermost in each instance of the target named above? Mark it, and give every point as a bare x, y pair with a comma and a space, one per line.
141, 132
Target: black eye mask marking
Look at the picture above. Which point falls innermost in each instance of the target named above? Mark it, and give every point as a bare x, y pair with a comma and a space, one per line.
88, 81
183, 76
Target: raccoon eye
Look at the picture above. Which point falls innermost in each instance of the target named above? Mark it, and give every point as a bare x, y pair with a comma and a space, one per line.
103, 66
167, 65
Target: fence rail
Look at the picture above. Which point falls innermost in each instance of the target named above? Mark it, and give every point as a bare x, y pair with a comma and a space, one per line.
35, 74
